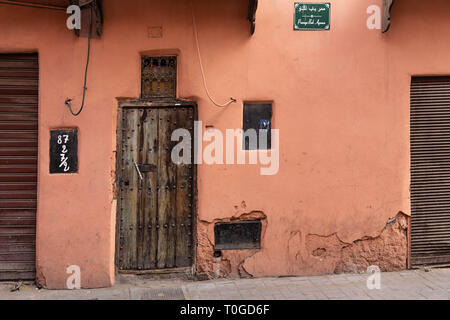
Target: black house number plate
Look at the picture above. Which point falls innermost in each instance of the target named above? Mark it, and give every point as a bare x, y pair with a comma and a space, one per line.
64, 151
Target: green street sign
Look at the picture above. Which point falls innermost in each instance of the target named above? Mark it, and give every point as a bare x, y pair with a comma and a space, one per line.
312, 16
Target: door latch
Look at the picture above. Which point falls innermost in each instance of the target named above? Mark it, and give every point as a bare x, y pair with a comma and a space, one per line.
138, 171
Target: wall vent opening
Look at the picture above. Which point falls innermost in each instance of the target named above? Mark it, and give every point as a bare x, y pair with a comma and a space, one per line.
237, 235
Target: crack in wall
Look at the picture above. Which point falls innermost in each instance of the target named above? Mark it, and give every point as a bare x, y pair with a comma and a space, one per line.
243, 273
41, 281
387, 250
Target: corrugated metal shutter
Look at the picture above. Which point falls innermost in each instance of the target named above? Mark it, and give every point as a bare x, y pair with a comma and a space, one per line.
19, 78
430, 171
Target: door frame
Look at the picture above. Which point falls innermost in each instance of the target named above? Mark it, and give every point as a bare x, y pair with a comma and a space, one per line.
160, 103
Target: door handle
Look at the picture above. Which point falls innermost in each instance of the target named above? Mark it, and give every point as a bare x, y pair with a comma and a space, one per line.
138, 171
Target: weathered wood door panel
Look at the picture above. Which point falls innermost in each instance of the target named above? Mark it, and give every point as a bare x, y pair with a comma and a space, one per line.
156, 195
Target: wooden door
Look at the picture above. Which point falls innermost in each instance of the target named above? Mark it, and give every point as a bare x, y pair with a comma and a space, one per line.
155, 194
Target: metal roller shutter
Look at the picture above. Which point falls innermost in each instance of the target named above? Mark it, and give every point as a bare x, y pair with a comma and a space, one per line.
430, 171
19, 78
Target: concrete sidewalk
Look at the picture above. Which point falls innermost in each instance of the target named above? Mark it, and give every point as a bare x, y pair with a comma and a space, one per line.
411, 284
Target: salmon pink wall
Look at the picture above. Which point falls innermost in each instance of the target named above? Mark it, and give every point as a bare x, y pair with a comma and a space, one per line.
340, 99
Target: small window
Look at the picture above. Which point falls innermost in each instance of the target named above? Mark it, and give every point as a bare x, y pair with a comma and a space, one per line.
159, 77
257, 126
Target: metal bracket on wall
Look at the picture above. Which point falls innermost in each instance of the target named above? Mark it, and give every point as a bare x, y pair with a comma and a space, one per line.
387, 6
253, 6
97, 18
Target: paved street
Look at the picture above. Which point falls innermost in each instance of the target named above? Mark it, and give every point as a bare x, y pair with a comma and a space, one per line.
412, 284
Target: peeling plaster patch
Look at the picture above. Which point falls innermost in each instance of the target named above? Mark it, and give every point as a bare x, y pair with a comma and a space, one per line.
319, 252
232, 261
295, 251
254, 215
388, 250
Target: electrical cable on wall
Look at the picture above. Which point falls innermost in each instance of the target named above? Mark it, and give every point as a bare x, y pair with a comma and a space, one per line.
68, 101
232, 100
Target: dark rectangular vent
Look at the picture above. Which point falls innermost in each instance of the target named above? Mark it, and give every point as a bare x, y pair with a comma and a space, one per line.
159, 77
237, 235
257, 126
